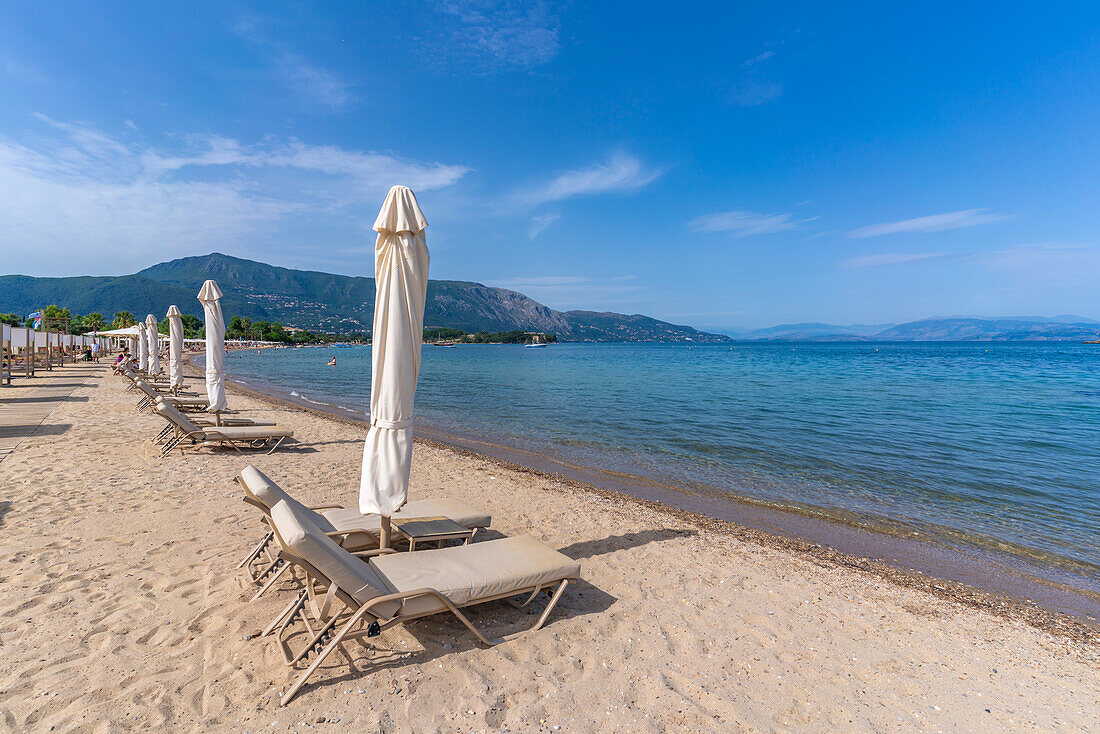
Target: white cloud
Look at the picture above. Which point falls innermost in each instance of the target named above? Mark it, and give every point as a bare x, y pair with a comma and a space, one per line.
743, 224
500, 33
1073, 262
540, 223
22, 73
754, 88
933, 223
310, 80
79, 200
621, 173
891, 258
759, 58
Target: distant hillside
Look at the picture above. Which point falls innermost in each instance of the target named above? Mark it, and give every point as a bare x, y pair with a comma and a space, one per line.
975, 329
962, 328
324, 301
815, 331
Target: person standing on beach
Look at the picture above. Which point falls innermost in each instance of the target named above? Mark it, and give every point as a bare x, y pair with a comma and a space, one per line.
95, 351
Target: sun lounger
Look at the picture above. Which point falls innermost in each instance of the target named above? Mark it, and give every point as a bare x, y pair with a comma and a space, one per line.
171, 429
382, 589
251, 437
349, 527
150, 397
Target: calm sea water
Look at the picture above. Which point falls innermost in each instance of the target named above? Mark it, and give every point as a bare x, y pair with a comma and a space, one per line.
996, 445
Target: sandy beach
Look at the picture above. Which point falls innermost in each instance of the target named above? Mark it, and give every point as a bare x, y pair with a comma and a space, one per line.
122, 610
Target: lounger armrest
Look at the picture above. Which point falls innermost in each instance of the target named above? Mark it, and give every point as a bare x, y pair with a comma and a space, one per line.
340, 535
373, 552
402, 596
326, 507
256, 503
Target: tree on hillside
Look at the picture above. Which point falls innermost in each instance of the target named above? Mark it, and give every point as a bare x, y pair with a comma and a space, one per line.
93, 321
57, 312
123, 319
192, 326
240, 327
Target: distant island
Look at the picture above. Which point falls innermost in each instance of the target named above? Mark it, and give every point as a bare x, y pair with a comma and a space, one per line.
327, 303
951, 328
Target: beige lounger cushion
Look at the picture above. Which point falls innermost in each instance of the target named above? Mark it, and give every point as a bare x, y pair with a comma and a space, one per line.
307, 541
465, 574
244, 433
351, 519
271, 494
213, 434
172, 414
182, 401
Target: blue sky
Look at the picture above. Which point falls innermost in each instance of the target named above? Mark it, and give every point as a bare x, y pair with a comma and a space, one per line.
722, 164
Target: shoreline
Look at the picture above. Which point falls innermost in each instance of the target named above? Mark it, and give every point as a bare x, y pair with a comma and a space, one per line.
1063, 610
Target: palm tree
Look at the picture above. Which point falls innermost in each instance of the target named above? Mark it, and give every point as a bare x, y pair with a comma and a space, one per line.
123, 319
94, 321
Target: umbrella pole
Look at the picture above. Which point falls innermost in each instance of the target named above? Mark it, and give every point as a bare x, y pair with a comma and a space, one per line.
384, 533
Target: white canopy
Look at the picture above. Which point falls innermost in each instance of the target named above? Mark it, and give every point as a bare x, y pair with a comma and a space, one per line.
143, 348
401, 283
152, 335
128, 331
175, 346
215, 346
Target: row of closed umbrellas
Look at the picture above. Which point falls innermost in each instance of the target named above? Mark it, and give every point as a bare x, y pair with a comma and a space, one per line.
401, 285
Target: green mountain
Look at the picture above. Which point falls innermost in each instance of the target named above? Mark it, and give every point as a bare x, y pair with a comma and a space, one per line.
323, 301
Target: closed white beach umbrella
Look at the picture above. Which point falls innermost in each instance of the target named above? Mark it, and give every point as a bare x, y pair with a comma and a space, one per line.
154, 344
143, 348
210, 295
401, 286
175, 346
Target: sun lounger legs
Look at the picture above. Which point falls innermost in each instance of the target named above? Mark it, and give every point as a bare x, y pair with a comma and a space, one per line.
348, 631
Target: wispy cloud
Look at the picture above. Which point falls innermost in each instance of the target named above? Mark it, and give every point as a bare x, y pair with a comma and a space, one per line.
313, 82
933, 223
83, 200
499, 34
621, 173
754, 87
1076, 262
891, 258
21, 72
744, 224
540, 223
759, 58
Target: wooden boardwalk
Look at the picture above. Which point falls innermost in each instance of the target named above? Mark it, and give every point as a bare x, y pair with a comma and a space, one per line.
21, 417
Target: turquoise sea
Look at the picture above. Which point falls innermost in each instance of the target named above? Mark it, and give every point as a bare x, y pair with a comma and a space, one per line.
987, 445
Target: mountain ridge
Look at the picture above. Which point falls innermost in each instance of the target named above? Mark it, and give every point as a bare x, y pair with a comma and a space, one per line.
322, 301
950, 328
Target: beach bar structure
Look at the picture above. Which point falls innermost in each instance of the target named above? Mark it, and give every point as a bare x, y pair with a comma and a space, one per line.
22, 350
6, 354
